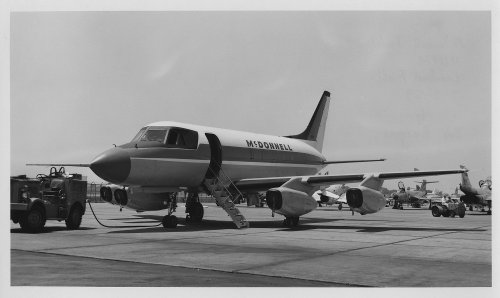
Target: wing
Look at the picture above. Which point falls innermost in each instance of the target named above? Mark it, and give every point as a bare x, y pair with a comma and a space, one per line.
262, 184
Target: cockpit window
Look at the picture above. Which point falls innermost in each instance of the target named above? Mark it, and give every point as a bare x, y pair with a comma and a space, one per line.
154, 134
172, 137
138, 135
182, 138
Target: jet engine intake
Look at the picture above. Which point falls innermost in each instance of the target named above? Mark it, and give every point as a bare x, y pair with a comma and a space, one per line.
121, 197
290, 202
365, 200
106, 194
324, 199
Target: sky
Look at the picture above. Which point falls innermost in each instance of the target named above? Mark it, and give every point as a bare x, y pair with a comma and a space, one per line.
413, 87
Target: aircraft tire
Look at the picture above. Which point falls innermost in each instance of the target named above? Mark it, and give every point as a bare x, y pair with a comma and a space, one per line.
295, 221
169, 221
401, 207
197, 214
471, 208
340, 206
287, 222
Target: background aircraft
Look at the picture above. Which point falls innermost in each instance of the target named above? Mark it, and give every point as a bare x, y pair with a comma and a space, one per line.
476, 196
411, 197
331, 195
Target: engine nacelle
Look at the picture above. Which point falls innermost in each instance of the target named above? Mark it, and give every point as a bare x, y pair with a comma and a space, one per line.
290, 202
140, 201
365, 200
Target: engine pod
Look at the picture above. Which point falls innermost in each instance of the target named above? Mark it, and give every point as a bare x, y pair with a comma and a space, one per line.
365, 200
290, 202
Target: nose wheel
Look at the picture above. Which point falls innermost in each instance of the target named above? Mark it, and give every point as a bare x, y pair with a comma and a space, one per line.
169, 221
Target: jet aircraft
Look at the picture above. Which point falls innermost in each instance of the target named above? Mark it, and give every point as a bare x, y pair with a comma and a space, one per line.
476, 196
168, 157
408, 196
330, 195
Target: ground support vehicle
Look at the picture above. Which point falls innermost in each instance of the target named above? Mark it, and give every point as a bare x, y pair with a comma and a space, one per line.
57, 196
448, 209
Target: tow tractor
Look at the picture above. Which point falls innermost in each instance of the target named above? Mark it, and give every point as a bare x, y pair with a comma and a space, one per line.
57, 196
449, 209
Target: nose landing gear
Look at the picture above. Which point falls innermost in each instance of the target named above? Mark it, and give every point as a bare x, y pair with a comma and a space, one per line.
169, 220
291, 221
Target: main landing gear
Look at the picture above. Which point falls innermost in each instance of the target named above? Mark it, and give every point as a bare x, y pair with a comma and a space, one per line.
194, 208
291, 221
169, 220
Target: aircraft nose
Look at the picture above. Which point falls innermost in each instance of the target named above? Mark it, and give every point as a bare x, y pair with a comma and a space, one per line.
112, 165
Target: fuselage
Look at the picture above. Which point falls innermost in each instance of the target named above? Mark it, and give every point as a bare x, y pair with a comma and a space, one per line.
172, 154
474, 195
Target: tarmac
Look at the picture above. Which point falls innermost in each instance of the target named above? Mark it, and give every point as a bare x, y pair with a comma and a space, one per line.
329, 248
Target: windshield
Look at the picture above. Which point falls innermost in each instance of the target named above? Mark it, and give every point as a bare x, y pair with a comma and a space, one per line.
138, 135
154, 134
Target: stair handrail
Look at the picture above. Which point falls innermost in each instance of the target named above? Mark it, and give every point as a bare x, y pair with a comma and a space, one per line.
227, 179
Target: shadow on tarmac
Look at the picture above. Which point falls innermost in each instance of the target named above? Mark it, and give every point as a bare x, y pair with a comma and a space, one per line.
304, 224
46, 230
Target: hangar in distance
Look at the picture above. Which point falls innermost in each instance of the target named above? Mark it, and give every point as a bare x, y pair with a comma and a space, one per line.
168, 157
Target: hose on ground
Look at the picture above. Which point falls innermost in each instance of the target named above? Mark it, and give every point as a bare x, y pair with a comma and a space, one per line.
106, 226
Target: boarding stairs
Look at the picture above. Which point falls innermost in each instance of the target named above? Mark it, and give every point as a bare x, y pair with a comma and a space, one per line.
224, 191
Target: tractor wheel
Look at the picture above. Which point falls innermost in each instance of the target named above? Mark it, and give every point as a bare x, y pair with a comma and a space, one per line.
74, 218
435, 211
461, 211
33, 221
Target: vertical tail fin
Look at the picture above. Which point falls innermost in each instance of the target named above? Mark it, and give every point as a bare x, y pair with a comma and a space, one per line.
315, 131
465, 178
423, 186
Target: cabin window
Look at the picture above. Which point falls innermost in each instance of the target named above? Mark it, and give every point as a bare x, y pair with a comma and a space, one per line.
182, 138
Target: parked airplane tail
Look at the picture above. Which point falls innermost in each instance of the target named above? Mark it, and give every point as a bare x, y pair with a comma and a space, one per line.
423, 186
315, 131
465, 178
